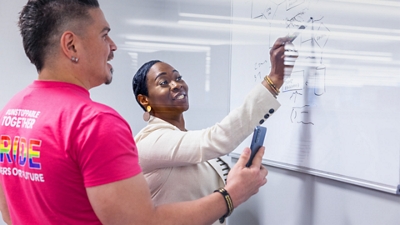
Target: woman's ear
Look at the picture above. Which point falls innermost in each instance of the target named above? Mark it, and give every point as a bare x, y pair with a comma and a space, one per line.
143, 100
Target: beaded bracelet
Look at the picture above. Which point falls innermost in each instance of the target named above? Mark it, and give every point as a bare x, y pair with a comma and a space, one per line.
228, 202
272, 85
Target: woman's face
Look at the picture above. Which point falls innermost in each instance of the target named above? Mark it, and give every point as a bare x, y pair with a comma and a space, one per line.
168, 92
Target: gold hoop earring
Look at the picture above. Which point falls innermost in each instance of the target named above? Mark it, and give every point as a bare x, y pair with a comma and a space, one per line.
146, 115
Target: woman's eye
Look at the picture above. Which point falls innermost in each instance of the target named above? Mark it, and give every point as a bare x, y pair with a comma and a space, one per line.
164, 82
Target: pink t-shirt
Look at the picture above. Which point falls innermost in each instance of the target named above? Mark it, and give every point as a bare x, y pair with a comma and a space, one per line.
54, 142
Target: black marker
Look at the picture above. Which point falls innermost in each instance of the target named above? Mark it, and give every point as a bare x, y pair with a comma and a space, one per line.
295, 34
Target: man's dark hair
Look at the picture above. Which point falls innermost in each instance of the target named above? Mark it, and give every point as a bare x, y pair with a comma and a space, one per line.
42, 22
139, 81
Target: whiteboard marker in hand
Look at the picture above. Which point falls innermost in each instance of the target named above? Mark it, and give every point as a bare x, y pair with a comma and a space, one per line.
293, 36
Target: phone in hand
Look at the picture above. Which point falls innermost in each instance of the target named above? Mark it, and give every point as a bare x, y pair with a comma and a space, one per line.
256, 142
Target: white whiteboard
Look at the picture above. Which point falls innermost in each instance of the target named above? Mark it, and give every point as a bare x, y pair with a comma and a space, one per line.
340, 113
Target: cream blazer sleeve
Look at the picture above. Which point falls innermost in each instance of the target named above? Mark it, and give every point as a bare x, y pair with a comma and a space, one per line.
161, 144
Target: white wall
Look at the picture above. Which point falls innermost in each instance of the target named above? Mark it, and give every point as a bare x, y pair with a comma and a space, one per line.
289, 197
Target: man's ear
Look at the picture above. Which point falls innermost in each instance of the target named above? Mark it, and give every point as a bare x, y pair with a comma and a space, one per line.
143, 100
67, 43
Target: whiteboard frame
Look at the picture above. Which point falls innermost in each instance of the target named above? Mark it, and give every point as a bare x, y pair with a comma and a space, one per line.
324, 174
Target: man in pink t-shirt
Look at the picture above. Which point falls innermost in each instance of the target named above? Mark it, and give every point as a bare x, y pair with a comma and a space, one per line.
50, 148
65, 159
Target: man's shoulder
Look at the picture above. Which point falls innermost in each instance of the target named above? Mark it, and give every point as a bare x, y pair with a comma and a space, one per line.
99, 110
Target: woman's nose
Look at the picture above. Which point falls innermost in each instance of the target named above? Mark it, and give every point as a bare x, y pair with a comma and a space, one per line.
175, 85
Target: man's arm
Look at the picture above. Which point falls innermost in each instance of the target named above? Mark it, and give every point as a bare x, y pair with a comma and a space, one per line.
4, 207
128, 201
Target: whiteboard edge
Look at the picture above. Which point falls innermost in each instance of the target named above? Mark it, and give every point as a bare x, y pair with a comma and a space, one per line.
337, 177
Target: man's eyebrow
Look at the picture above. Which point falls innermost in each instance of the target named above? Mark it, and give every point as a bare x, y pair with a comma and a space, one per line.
105, 29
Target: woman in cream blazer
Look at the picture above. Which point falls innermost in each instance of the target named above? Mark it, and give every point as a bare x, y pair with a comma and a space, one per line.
182, 165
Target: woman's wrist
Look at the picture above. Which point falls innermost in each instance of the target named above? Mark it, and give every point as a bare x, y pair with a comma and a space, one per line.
276, 79
272, 84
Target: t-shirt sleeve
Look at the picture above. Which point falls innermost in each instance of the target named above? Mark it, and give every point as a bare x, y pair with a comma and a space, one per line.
106, 150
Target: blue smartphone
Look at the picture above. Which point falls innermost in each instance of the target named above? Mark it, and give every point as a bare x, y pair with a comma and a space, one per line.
256, 142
